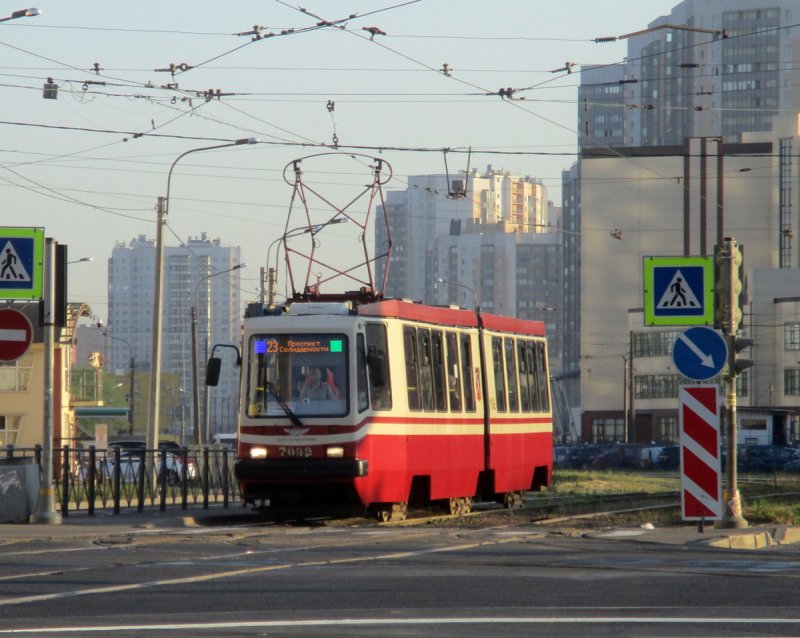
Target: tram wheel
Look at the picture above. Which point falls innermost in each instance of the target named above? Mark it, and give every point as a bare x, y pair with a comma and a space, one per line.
387, 512
513, 500
460, 505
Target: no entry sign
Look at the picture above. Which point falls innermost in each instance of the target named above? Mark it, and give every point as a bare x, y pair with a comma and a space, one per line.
16, 334
701, 481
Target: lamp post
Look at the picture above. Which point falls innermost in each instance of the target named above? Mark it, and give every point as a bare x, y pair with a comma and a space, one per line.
131, 370
195, 381
465, 287
82, 259
22, 13
294, 232
155, 351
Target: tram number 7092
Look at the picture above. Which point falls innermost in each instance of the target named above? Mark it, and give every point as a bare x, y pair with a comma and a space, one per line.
296, 452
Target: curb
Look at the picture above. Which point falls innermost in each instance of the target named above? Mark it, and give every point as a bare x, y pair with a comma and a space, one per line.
757, 540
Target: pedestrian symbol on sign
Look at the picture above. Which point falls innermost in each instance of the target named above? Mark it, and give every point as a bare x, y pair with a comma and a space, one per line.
678, 294
11, 268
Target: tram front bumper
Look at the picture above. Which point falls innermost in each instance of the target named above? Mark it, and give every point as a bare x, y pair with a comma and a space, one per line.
315, 469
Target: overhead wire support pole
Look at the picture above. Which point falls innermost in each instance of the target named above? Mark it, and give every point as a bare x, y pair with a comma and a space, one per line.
44, 511
155, 352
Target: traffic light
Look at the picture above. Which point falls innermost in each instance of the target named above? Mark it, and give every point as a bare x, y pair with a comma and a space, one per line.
736, 365
728, 279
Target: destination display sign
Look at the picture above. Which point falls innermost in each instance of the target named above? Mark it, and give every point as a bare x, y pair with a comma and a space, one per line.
293, 345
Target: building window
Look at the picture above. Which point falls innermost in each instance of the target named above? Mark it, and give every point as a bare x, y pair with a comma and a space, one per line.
15, 376
791, 336
667, 429
607, 429
657, 386
791, 381
654, 344
9, 429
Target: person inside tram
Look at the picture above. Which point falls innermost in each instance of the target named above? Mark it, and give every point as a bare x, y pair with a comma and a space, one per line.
300, 382
317, 388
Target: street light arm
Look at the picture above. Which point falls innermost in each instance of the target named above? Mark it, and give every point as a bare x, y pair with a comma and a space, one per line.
244, 140
300, 230
22, 13
679, 27
455, 283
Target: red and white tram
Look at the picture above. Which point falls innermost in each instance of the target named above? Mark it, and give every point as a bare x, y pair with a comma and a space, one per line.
387, 401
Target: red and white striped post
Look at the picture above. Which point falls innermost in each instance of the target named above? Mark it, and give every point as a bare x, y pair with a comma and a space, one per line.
701, 475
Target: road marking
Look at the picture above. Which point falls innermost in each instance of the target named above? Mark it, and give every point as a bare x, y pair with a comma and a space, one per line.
384, 621
21, 600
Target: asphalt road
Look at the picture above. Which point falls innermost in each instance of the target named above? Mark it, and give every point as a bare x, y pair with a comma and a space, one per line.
256, 579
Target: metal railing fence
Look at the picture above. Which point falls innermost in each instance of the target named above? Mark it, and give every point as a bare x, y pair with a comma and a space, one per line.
88, 479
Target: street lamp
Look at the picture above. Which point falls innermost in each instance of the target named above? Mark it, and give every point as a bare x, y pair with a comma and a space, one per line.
82, 259
22, 13
455, 283
132, 369
155, 351
294, 232
195, 380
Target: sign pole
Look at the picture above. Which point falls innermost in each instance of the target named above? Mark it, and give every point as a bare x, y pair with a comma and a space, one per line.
732, 514
45, 505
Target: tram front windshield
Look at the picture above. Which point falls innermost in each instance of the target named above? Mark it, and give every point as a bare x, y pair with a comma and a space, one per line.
303, 374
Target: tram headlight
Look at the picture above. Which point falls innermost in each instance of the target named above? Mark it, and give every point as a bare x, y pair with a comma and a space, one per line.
258, 452
334, 452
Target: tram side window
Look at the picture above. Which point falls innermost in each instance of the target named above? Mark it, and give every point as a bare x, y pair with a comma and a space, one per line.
454, 375
439, 382
533, 381
412, 380
524, 392
361, 374
499, 374
377, 347
466, 374
425, 361
541, 369
511, 375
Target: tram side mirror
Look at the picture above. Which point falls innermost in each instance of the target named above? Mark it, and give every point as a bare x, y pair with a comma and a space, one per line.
213, 368
377, 367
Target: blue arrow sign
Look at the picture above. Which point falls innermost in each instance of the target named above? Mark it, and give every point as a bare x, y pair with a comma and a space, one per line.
700, 353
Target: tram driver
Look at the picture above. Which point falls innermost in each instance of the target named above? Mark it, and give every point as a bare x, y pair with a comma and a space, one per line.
316, 388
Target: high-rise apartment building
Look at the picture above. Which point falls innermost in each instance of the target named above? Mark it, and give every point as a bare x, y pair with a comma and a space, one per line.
709, 68
484, 239
195, 274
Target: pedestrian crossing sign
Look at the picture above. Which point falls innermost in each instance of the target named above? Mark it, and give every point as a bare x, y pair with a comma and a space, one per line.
678, 291
21, 258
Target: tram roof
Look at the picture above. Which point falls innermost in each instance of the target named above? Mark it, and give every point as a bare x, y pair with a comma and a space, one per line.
402, 309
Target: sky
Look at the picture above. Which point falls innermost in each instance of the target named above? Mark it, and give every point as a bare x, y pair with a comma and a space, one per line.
317, 86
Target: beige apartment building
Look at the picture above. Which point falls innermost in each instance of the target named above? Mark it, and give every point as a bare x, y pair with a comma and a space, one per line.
22, 388
682, 200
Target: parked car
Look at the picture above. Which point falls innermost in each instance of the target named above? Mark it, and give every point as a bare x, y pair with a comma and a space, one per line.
765, 458
620, 456
130, 461
582, 456
560, 455
669, 459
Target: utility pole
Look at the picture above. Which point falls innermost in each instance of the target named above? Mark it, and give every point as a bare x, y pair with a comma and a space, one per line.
151, 439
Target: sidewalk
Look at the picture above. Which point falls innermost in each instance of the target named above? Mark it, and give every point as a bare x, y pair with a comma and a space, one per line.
747, 538
130, 521
174, 518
